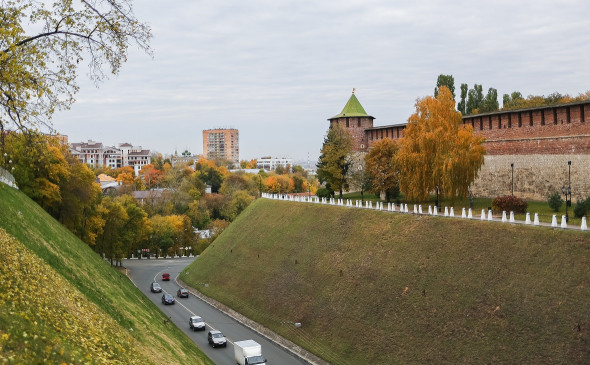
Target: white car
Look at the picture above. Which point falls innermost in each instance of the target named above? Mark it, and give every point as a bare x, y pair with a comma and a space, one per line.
196, 323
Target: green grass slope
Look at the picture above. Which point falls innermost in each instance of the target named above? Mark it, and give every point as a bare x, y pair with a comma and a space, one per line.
59, 302
375, 287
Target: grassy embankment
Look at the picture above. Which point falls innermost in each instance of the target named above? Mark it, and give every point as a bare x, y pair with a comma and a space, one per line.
59, 302
376, 287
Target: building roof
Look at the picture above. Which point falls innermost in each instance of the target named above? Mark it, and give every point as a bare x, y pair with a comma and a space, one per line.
353, 108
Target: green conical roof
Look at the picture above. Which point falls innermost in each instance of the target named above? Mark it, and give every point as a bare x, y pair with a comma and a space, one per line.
353, 108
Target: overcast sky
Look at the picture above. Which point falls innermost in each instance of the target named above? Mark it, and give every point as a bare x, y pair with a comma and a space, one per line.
276, 70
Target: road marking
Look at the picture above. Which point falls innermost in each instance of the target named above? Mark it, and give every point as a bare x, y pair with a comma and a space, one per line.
183, 306
213, 328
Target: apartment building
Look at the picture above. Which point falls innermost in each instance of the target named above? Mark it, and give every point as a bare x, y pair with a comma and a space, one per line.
221, 144
96, 154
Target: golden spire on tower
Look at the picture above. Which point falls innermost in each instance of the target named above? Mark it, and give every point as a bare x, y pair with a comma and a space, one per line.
353, 89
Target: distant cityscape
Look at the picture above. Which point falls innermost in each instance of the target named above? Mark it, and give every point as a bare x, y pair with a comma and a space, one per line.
217, 144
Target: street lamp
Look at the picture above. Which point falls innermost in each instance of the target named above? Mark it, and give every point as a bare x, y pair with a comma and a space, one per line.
512, 166
436, 202
568, 192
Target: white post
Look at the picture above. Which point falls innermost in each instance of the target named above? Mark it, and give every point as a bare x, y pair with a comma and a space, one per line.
430, 209
563, 222
406, 208
554, 221
511, 217
584, 226
415, 209
528, 218
452, 212
504, 220
470, 214
483, 215
435, 211
420, 209
446, 211
463, 215
536, 219
490, 216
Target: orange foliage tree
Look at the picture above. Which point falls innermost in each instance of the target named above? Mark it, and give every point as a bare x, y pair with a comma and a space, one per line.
437, 151
381, 166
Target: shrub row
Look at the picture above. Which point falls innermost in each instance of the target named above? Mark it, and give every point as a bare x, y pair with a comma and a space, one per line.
509, 203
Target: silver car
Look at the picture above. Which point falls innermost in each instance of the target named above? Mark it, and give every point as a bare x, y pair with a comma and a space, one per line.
196, 323
216, 338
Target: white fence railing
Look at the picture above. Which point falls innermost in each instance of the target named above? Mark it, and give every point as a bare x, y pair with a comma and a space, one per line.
7, 178
417, 209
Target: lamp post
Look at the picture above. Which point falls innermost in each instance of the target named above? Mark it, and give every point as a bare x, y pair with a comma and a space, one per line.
512, 166
436, 202
568, 192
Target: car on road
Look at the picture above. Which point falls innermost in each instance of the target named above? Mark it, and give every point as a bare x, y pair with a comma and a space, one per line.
216, 338
166, 276
155, 288
167, 299
182, 293
196, 323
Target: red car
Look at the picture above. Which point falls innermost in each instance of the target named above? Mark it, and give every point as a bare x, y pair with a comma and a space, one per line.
166, 276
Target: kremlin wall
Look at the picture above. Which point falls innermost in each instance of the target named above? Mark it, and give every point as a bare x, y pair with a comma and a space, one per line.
528, 147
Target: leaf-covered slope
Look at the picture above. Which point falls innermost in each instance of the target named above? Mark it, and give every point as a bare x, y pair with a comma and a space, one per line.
81, 279
377, 287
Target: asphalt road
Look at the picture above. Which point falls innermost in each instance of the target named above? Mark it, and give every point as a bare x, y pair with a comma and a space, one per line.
144, 272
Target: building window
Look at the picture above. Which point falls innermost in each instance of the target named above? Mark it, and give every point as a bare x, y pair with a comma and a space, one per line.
358, 122
347, 123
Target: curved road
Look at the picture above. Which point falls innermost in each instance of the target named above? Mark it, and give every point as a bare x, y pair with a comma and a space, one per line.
144, 272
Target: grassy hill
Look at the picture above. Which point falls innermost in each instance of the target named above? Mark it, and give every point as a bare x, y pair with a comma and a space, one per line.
59, 302
375, 287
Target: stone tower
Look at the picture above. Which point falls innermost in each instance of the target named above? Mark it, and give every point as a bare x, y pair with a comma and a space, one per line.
355, 120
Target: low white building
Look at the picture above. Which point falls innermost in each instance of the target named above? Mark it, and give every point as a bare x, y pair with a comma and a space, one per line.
270, 164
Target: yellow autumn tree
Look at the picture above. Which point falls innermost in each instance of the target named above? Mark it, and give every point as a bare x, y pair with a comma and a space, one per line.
381, 167
438, 151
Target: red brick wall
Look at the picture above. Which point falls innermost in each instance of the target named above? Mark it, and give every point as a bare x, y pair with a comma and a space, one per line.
377, 134
552, 130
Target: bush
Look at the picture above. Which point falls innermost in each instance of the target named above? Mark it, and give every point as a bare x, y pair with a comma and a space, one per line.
582, 208
555, 201
324, 193
509, 203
